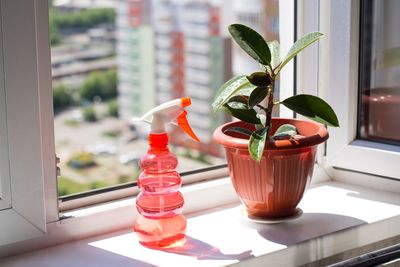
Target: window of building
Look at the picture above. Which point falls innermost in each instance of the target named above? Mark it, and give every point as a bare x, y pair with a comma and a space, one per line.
115, 60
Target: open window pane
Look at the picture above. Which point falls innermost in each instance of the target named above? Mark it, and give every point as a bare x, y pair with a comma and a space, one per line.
380, 72
115, 60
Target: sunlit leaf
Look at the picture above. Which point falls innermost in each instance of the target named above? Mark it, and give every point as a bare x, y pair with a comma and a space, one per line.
313, 108
237, 105
275, 49
262, 118
285, 130
257, 143
251, 42
244, 99
299, 46
230, 88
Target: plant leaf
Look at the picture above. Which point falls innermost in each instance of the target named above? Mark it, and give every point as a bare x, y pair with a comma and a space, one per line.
313, 108
259, 78
275, 49
244, 99
299, 46
237, 105
262, 118
247, 115
257, 96
229, 89
257, 143
251, 42
285, 130
239, 130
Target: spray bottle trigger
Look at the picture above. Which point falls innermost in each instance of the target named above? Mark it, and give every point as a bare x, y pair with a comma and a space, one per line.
184, 124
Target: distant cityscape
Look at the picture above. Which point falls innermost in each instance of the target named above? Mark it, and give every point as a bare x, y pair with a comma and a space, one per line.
114, 60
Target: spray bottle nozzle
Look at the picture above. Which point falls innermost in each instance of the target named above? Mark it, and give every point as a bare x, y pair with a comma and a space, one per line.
186, 101
167, 113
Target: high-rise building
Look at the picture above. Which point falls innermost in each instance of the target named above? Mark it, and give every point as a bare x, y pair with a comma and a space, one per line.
135, 49
169, 53
169, 49
207, 54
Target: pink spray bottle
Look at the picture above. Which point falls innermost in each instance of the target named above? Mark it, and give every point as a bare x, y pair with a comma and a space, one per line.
160, 222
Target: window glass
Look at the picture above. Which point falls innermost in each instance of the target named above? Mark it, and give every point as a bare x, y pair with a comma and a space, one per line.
380, 71
115, 60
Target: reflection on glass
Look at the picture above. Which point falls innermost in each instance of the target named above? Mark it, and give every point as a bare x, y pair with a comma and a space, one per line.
380, 71
114, 60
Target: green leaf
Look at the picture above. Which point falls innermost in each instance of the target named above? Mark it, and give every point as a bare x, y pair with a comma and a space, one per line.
244, 99
285, 130
257, 143
313, 108
299, 46
275, 49
259, 78
257, 96
237, 105
251, 42
247, 115
230, 88
262, 118
239, 130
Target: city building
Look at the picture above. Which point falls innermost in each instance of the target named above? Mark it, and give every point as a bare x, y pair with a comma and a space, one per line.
168, 49
135, 53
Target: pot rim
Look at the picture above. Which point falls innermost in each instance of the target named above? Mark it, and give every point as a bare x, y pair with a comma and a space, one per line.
320, 136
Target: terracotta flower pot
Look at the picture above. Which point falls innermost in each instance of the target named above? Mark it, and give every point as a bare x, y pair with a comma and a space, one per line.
274, 187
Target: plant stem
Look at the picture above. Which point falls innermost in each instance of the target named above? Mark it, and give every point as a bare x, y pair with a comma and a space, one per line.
262, 108
268, 120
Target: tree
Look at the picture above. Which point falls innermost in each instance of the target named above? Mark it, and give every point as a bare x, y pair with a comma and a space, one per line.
89, 114
100, 84
61, 97
112, 108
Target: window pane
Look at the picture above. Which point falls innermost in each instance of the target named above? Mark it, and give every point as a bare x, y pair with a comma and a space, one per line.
380, 71
115, 60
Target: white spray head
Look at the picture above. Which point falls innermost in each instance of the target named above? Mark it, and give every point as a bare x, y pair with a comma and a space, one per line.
169, 112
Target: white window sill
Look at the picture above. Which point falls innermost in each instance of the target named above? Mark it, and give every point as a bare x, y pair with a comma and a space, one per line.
337, 217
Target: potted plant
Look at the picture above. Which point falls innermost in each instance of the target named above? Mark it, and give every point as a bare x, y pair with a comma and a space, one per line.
270, 160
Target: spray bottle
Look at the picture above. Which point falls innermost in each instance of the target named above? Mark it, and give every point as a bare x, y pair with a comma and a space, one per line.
160, 222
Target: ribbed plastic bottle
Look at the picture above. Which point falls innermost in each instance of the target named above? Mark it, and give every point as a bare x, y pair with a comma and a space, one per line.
160, 222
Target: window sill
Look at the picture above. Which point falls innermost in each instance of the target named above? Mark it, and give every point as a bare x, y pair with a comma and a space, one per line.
337, 217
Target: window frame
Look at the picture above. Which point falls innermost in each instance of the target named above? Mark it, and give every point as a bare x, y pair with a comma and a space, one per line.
287, 9
38, 217
29, 159
339, 51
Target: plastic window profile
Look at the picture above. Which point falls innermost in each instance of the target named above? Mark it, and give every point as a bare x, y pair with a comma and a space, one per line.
102, 195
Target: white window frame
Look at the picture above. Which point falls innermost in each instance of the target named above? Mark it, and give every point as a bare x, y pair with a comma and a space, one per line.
330, 69
340, 65
33, 212
27, 156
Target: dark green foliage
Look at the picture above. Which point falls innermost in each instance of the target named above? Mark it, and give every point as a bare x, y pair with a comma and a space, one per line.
313, 108
257, 96
112, 108
259, 79
99, 84
247, 115
251, 42
82, 19
241, 94
89, 114
62, 97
